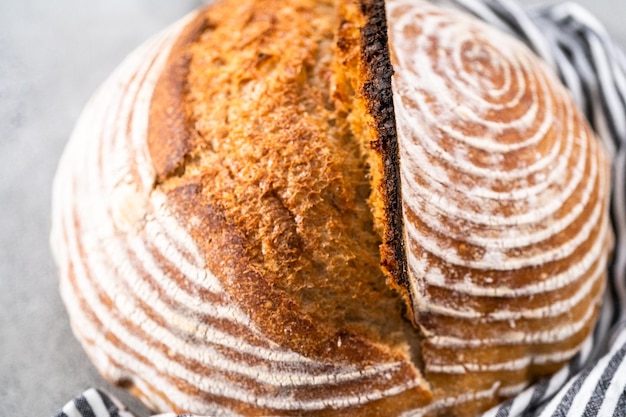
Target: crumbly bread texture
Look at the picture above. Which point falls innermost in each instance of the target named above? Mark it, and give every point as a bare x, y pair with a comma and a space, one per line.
257, 216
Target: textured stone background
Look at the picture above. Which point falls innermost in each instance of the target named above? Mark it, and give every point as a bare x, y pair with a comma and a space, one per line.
53, 55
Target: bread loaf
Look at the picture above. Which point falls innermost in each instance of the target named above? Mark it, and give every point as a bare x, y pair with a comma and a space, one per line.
331, 208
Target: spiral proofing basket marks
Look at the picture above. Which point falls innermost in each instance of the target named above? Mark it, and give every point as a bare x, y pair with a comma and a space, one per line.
576, 46
593, 68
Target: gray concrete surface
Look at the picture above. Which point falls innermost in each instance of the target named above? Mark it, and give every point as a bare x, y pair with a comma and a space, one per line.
52, 57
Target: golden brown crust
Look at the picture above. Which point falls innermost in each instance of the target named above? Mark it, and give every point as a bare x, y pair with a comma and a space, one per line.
279, 316
319, 173
259, 233
262, 259
272, 187
170, 133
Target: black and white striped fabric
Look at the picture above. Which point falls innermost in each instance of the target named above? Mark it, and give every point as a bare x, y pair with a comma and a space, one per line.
93, 403
593, 67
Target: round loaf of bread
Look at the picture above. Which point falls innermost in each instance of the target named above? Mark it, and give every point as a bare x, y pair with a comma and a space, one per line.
309, 207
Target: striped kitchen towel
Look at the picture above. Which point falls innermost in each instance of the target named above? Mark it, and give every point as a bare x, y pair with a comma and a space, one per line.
593, 67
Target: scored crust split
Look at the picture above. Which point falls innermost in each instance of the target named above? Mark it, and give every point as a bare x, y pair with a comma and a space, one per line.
273, 209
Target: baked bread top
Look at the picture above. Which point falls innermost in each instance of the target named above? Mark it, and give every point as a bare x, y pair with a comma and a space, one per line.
253, 216
504, 191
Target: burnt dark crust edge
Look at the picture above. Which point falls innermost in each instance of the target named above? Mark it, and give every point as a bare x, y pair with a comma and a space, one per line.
376, 65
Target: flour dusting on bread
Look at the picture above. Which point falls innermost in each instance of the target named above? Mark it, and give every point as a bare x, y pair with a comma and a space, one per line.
330, 208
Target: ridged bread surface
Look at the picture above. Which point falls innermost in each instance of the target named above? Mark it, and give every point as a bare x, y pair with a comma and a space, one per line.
504, 193
148, 300
175, 292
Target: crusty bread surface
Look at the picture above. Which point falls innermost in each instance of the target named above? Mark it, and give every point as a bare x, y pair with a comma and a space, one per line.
504, 190
331, 208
